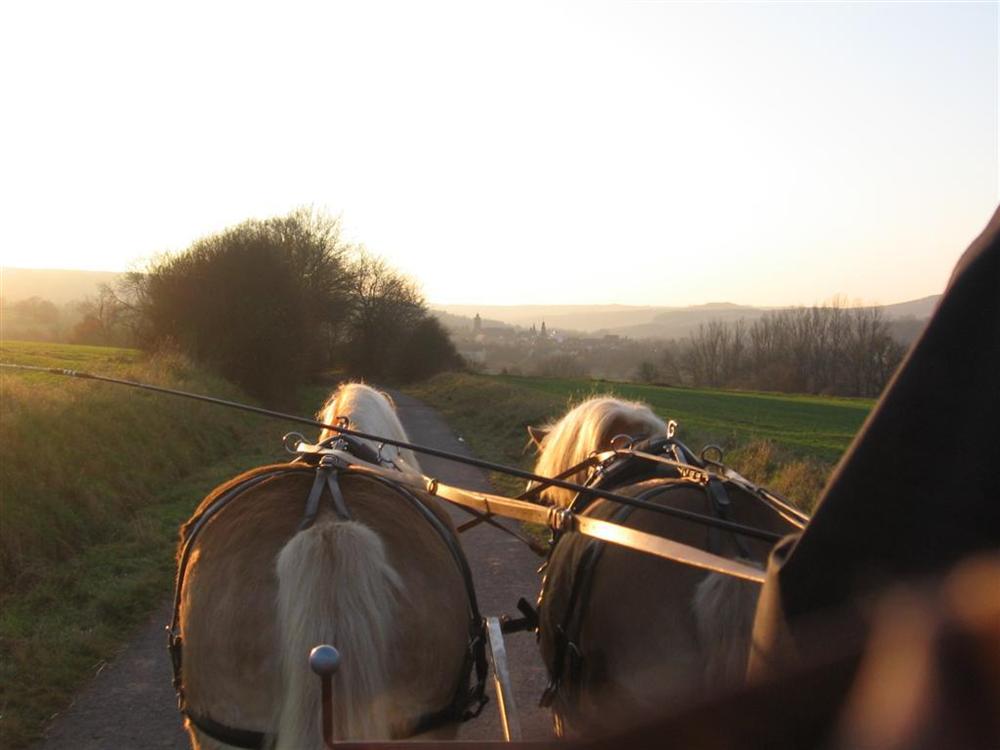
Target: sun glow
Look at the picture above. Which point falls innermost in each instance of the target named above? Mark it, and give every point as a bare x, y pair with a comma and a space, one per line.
641, 154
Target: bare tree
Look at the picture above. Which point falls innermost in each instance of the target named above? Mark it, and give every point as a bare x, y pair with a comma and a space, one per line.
107, 320
819, 349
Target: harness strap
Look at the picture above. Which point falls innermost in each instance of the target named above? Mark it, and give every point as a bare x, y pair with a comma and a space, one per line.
721, 505
567, 648
326, 477
606, 470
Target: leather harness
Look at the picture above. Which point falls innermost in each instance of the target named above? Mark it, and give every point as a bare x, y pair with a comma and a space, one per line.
466, 703
618, 471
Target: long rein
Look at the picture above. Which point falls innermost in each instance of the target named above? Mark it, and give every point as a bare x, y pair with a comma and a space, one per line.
558, 519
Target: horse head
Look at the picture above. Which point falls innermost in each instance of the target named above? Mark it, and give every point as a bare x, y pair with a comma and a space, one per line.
369, 410
588, 428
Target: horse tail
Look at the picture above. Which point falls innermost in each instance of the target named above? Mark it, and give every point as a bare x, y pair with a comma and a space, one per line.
724, 609
335, 586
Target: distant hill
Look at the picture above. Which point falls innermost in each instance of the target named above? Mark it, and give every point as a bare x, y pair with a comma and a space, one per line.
918, 308
56, 285
558, 317
656, 322
678, 323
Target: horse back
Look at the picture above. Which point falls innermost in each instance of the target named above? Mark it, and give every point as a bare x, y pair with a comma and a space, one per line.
619, 627
228, 596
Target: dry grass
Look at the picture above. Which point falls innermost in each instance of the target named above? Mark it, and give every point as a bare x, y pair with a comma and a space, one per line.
799, 479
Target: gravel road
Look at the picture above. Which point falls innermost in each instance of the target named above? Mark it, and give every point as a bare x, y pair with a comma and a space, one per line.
130, 703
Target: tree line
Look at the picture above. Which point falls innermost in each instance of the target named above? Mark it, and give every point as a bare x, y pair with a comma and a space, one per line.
271, 303
831, 349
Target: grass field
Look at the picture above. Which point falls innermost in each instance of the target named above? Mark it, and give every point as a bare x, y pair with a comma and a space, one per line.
789, 443
95, 480
813, 426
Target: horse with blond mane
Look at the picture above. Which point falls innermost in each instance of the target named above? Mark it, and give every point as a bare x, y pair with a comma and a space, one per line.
624, 634
260, 584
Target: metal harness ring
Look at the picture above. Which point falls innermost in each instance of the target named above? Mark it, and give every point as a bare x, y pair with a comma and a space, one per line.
289, 445
628, 441
710, 449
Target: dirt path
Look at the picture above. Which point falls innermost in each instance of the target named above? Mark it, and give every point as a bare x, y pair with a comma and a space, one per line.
503, 568
131, 704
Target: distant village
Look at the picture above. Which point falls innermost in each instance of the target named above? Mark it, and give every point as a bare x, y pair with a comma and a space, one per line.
494, 347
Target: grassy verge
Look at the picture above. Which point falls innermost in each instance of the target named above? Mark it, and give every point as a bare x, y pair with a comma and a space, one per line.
58, 633
81, 458
788, 443
95, 481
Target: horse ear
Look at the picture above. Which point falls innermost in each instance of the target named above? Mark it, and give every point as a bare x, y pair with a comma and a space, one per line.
537, 435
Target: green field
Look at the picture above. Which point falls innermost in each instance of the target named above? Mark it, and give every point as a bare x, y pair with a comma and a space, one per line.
95, 480
806, 425
788, 443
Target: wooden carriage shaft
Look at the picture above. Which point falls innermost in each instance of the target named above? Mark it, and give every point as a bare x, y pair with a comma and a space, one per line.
602, 530
564, 520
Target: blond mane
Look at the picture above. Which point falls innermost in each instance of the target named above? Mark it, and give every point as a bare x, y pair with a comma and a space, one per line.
372, 411
589, 427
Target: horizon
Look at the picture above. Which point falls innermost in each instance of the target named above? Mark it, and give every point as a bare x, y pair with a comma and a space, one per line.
649, 155
443, 306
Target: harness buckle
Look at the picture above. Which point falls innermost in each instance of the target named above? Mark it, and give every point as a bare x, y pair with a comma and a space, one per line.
174, 647
560, 519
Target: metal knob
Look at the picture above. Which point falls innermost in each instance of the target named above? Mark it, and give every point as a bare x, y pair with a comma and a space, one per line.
324, 660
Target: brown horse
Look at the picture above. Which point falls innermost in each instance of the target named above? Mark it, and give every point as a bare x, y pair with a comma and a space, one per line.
625, 634
257, 592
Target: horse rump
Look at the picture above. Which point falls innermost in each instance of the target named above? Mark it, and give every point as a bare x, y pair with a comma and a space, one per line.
336, 586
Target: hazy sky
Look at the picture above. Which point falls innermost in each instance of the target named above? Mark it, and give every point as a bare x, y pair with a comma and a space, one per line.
507, 153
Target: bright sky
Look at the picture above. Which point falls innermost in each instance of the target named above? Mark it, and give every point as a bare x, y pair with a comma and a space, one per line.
647, 153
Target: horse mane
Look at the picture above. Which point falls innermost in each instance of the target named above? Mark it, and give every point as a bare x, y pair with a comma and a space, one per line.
589, 427
369, 410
